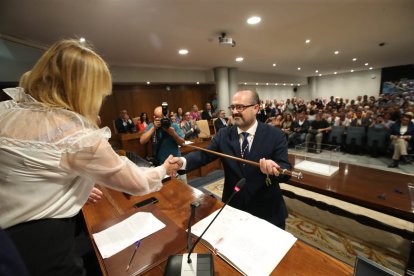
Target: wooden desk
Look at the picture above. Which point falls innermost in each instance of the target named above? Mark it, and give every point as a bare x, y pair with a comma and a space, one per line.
363, 186
174, 199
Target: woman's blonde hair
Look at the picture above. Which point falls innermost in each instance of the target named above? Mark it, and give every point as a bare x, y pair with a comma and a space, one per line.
23, 82
71, 75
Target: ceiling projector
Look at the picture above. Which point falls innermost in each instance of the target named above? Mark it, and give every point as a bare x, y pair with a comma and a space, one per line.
224, 40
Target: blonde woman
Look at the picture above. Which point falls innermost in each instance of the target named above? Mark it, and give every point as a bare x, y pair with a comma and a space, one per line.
52, 152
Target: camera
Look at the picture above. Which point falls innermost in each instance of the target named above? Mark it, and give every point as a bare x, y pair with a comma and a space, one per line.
165, 121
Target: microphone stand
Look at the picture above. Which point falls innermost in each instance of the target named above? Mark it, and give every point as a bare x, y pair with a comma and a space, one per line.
205, 264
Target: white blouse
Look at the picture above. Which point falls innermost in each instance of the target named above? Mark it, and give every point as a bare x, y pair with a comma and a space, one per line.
50, 158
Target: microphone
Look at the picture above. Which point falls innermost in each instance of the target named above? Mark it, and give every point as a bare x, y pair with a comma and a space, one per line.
204, 264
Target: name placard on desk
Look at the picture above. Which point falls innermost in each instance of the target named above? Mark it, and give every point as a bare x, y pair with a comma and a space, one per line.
153, 249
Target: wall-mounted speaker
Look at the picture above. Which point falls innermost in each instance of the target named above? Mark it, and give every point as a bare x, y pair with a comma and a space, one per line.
295, 89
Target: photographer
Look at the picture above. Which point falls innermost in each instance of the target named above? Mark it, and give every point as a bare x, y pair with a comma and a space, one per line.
164, 135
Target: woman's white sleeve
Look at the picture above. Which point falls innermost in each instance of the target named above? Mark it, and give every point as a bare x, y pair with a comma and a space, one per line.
101, 163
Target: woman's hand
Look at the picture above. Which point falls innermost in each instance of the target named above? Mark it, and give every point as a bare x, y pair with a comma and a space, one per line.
94, 196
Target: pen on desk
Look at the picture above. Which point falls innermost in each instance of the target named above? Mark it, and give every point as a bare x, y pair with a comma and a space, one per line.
133, 254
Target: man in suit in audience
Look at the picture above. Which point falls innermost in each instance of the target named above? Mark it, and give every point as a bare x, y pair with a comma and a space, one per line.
188, 127
124, 124
221, 121
401, 135
207, 114
254, 141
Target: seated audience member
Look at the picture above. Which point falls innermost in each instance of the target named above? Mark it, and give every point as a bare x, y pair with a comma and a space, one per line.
275, 121
287, 124
387, 120
207, 113
221, 121
317, 129
261, 115
401, 135
359, 121
143, 122
124, 124
194, 113
179, 115
378, 123
188, 127
300, 127
66, 154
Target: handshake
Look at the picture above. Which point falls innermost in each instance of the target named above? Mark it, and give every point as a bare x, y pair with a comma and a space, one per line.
172, 165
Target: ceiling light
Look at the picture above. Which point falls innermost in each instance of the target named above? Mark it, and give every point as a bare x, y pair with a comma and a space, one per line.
320, 75
354, 59
276, 84
335, 73
198, 82
307, 41
239, 59
298, 84
316, 71
299, 68
253, 20
148, 82
370, 68
366, 64
284, 84
336, 52
352, 70
274, 64
183, 51
257, 83
267, 83
245, 83
291, 84
82, 40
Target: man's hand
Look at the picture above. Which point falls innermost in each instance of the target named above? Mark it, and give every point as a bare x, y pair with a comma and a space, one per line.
94, 196
269, 167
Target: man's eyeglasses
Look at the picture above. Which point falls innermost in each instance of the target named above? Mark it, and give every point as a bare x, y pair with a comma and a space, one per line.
239, 107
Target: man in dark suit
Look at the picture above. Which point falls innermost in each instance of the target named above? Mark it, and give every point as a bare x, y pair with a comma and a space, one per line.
124, 124
255, 141
221, 121
207, 114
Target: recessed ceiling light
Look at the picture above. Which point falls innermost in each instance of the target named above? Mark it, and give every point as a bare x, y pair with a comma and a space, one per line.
320, 75
335, 73
82, 40
245, 83
198, 82
183, 51
354, 59
254, 20
276, 84
307, 41
352, 70
366, 64
299, 68
274, 64
298, 84
336, 52
370, 68
316, 71
291, 84
257, 83
239, 59
284, 84
267, 83
148, 82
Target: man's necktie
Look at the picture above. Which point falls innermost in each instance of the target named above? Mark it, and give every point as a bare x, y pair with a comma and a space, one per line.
245, 145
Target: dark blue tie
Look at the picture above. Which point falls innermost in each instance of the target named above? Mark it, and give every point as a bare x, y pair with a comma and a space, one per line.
245, 145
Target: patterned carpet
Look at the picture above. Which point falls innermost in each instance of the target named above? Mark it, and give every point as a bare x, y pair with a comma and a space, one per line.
386, 249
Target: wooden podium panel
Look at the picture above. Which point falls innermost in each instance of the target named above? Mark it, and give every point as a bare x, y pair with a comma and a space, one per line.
174, 202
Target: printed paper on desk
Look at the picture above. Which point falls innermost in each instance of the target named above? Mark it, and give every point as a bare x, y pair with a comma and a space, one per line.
251, 245
121, 235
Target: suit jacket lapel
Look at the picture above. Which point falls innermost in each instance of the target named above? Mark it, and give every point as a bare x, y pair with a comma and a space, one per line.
234, 141
258, 142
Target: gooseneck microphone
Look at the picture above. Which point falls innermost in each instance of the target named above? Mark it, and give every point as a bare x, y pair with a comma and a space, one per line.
237, 188
193, 206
